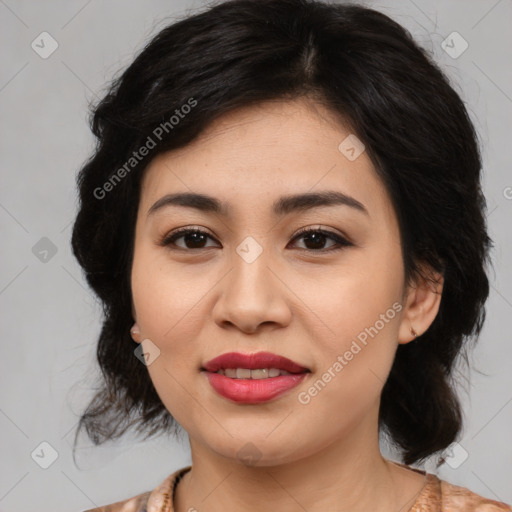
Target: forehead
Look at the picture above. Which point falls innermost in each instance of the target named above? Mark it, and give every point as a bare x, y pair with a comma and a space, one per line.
252, 156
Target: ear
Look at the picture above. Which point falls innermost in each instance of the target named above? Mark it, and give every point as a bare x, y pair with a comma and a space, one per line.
422, 301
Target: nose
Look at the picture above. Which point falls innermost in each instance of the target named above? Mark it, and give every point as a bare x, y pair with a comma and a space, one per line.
252, 295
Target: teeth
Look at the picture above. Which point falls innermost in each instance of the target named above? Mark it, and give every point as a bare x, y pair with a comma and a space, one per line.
246, 373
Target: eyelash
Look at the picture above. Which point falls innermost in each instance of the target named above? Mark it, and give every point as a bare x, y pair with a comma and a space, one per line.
179, 233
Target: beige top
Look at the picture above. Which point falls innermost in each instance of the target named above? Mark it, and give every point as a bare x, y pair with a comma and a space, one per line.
436, 496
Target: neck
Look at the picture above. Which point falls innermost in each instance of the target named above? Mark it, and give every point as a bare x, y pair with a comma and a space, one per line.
349, 475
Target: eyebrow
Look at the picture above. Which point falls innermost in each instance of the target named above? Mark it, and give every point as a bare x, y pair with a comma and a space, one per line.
282, 206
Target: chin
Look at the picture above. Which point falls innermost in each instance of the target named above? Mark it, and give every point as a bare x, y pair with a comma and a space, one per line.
260, 451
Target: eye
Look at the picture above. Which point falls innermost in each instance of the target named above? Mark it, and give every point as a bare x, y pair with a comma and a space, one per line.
195, 238
317, 237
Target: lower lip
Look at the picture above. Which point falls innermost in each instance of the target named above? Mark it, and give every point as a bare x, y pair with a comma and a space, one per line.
251, 391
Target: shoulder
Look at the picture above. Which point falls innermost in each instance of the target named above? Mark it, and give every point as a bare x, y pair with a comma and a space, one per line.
159, 498
135, 504
441, 496
456, 498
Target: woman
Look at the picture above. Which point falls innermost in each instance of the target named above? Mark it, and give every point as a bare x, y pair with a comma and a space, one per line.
284, 220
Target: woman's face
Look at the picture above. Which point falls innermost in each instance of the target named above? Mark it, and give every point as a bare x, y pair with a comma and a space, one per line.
248, 283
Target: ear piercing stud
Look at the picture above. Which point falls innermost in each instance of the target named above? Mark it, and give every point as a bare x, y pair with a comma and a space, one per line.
135, 331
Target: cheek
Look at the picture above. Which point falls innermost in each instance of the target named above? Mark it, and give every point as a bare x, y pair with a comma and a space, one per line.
360, 316
170, 303
164, 306
167, 298
353, 361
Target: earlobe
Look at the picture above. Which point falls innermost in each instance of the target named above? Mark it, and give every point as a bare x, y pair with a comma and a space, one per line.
422, 305
135, 332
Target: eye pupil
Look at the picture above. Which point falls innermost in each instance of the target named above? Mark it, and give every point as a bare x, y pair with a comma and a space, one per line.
198, 239
318, 239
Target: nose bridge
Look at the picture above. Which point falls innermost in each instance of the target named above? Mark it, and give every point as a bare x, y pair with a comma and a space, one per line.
250, 274
251, 293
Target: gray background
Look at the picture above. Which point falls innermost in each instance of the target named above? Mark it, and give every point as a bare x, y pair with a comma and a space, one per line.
50, 320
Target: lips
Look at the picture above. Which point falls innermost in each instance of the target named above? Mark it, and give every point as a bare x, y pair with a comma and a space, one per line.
253, 362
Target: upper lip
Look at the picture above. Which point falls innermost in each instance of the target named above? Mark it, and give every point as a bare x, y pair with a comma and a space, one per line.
253, 362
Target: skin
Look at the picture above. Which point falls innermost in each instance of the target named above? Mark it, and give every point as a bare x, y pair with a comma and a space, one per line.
297, 299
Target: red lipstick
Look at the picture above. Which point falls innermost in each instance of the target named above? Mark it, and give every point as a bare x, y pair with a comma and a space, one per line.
253, 390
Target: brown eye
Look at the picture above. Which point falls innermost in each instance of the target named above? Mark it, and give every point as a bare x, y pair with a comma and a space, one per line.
316, 238
193, 238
